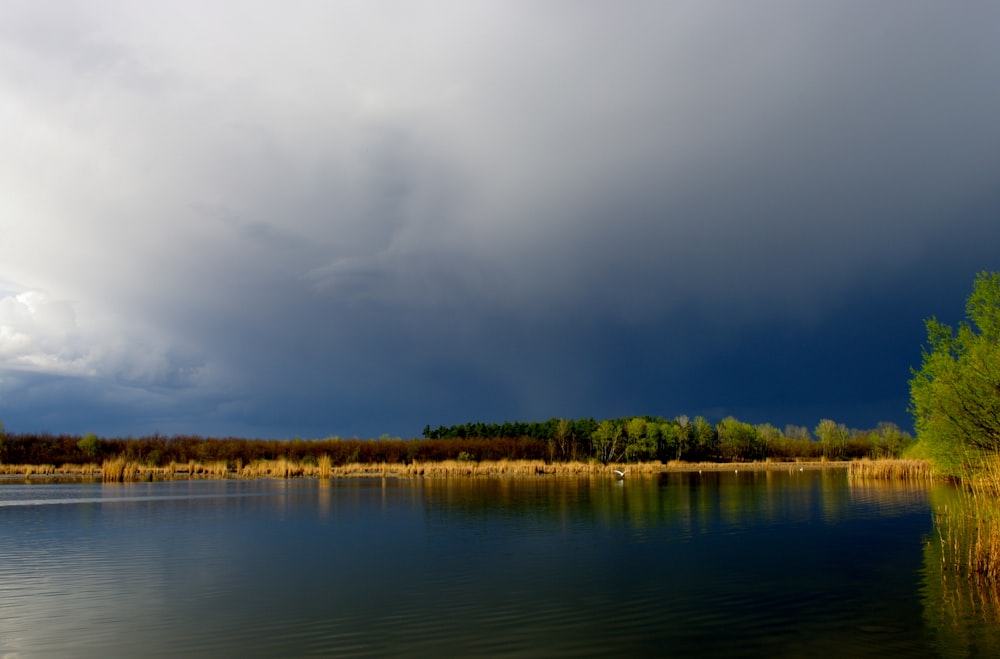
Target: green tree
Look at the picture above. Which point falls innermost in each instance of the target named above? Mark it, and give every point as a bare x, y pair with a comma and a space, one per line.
767, 437
889, 440
562, 436
704, 438
955, 396
683, 432
90, 445
640, 439
737, 440
834, 437
607, 441
669, 441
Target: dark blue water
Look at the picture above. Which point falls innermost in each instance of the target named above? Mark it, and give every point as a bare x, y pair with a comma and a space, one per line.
749, 564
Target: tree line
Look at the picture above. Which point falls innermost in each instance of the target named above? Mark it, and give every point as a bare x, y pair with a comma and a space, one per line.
160, 451
645, 438
630, 439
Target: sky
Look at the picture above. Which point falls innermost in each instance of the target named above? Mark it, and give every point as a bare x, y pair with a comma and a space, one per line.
313, 219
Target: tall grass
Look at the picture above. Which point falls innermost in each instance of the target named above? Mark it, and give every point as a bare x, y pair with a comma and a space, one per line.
120, 470
324, 465
26, 470
969, 526
890, 469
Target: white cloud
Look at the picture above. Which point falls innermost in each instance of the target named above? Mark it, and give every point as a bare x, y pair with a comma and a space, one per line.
41, 335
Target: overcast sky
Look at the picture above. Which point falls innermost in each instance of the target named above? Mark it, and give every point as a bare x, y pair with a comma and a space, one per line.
353, 218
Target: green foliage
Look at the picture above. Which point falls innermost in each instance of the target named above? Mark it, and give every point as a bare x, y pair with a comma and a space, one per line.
640, 439
606, 440
630, 439
90, 445
706, 439
738, 440
834, 438
955, 395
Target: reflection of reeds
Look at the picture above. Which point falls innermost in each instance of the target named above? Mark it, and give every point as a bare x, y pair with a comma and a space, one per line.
889, 469
963, 564
970, 539
969, 529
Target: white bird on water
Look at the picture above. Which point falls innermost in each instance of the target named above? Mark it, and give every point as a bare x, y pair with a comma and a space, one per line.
621, 474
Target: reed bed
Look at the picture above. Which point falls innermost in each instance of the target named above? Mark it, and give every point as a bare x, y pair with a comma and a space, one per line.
969, 526
120, 470
28, 470
891, 470
766, 465
89, 469
41, 470
280, 468
969, 533
123, 470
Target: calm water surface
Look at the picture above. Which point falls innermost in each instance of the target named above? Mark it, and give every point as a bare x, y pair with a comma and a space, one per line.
722, 564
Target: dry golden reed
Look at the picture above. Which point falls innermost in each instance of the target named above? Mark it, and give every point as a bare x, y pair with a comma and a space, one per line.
124, 470
969, 529
325, 466
890, 469
120, 470
970, 539
115, 469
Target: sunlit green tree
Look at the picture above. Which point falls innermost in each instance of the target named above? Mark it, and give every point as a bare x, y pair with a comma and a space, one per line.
705, 440
955, 395
90, 445
834, 437
607, 441
669, 441
767, 437
640, 439
737, 440
562, 435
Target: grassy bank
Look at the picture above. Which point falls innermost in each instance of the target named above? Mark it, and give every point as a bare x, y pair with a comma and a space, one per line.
121, 470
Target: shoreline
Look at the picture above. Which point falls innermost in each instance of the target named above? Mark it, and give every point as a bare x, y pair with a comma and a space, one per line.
285, 469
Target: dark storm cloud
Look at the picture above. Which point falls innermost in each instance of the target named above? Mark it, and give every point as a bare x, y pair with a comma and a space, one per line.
343, 219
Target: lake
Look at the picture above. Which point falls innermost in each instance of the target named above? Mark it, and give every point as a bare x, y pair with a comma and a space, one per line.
777, 563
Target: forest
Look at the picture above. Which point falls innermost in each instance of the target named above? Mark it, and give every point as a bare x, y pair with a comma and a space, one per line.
619, 440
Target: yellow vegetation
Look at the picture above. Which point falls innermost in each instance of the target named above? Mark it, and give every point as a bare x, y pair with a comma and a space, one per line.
890, 469
324, 466
969, 527
119, 470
